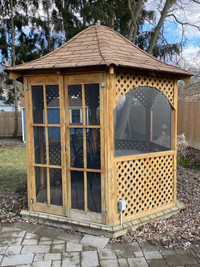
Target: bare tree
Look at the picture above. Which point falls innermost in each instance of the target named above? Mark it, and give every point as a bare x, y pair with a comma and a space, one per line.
13, 64
135, 8
156, 32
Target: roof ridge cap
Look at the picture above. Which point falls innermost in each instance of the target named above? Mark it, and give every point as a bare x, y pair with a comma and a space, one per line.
98, 42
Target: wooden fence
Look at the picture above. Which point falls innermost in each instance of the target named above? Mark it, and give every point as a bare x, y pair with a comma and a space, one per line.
7, 124
189, 122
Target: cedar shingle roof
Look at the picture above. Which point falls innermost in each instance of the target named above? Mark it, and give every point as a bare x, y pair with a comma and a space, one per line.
98, 46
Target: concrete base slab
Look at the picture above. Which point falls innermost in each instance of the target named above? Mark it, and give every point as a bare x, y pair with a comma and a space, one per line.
96, 228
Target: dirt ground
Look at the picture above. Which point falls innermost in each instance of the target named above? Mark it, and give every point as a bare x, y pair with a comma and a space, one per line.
11, 142
193, 154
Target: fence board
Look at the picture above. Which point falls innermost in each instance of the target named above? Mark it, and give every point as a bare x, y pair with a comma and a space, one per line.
189, 122
7, 124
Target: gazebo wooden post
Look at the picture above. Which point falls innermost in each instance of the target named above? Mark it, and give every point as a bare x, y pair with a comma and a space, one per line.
63, 143
174, 136
111, 179
29, 146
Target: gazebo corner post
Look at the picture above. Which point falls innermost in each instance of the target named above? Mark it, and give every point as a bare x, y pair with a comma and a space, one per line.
111, 180
174, 136
67, 174
29, 143
63, 144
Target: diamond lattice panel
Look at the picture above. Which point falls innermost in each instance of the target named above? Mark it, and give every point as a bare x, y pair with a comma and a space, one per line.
52, 92
127, 81
145, 184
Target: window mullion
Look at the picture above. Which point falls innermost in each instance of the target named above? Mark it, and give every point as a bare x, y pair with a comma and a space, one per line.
84, 149
47, 144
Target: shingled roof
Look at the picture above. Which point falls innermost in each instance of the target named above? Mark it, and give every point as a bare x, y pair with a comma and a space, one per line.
99, 46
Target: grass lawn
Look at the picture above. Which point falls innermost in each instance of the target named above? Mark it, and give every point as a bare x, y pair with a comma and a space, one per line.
12, 168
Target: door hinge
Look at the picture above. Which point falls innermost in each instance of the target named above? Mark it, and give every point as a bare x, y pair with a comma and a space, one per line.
103, 84
105, 213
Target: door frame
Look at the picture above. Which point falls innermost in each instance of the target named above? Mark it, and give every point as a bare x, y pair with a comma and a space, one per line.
43, 80
81, 79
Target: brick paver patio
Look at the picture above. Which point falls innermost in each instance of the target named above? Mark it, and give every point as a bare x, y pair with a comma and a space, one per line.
23, 244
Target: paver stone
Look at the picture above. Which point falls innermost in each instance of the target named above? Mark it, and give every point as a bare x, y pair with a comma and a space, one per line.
71, 259
137, 262
109, 263
17, 259
106, 254
94, 241
149, 255
42, 264
89, 258
52, 256
123, 263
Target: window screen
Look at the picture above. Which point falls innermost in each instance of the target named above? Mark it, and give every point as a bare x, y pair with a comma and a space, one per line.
142, 122
75, 116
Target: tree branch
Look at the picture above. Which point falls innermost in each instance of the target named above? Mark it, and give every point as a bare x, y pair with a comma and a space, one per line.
135, 9
183, 23
196, 1
154, 38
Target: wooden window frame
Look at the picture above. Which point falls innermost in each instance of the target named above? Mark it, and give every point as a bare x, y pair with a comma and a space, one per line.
44, 81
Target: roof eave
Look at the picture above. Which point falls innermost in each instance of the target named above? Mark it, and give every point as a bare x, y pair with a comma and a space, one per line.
17, 73
181, 75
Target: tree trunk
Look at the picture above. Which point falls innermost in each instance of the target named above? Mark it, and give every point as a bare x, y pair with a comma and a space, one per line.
154, 38
13, 64
48, 25
65, 22
111, 20
84, 15
135, 9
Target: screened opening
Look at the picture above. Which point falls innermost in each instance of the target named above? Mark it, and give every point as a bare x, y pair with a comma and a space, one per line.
142, 122
38, 104
56, 186
75, 104
41, 184
75, 116
40, 144
77, 190
54, 146
53, 108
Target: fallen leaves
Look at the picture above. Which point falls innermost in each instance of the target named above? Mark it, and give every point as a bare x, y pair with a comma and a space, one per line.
11, 204
181, 229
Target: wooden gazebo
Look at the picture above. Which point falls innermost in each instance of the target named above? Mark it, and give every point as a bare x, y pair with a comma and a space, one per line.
101, 118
